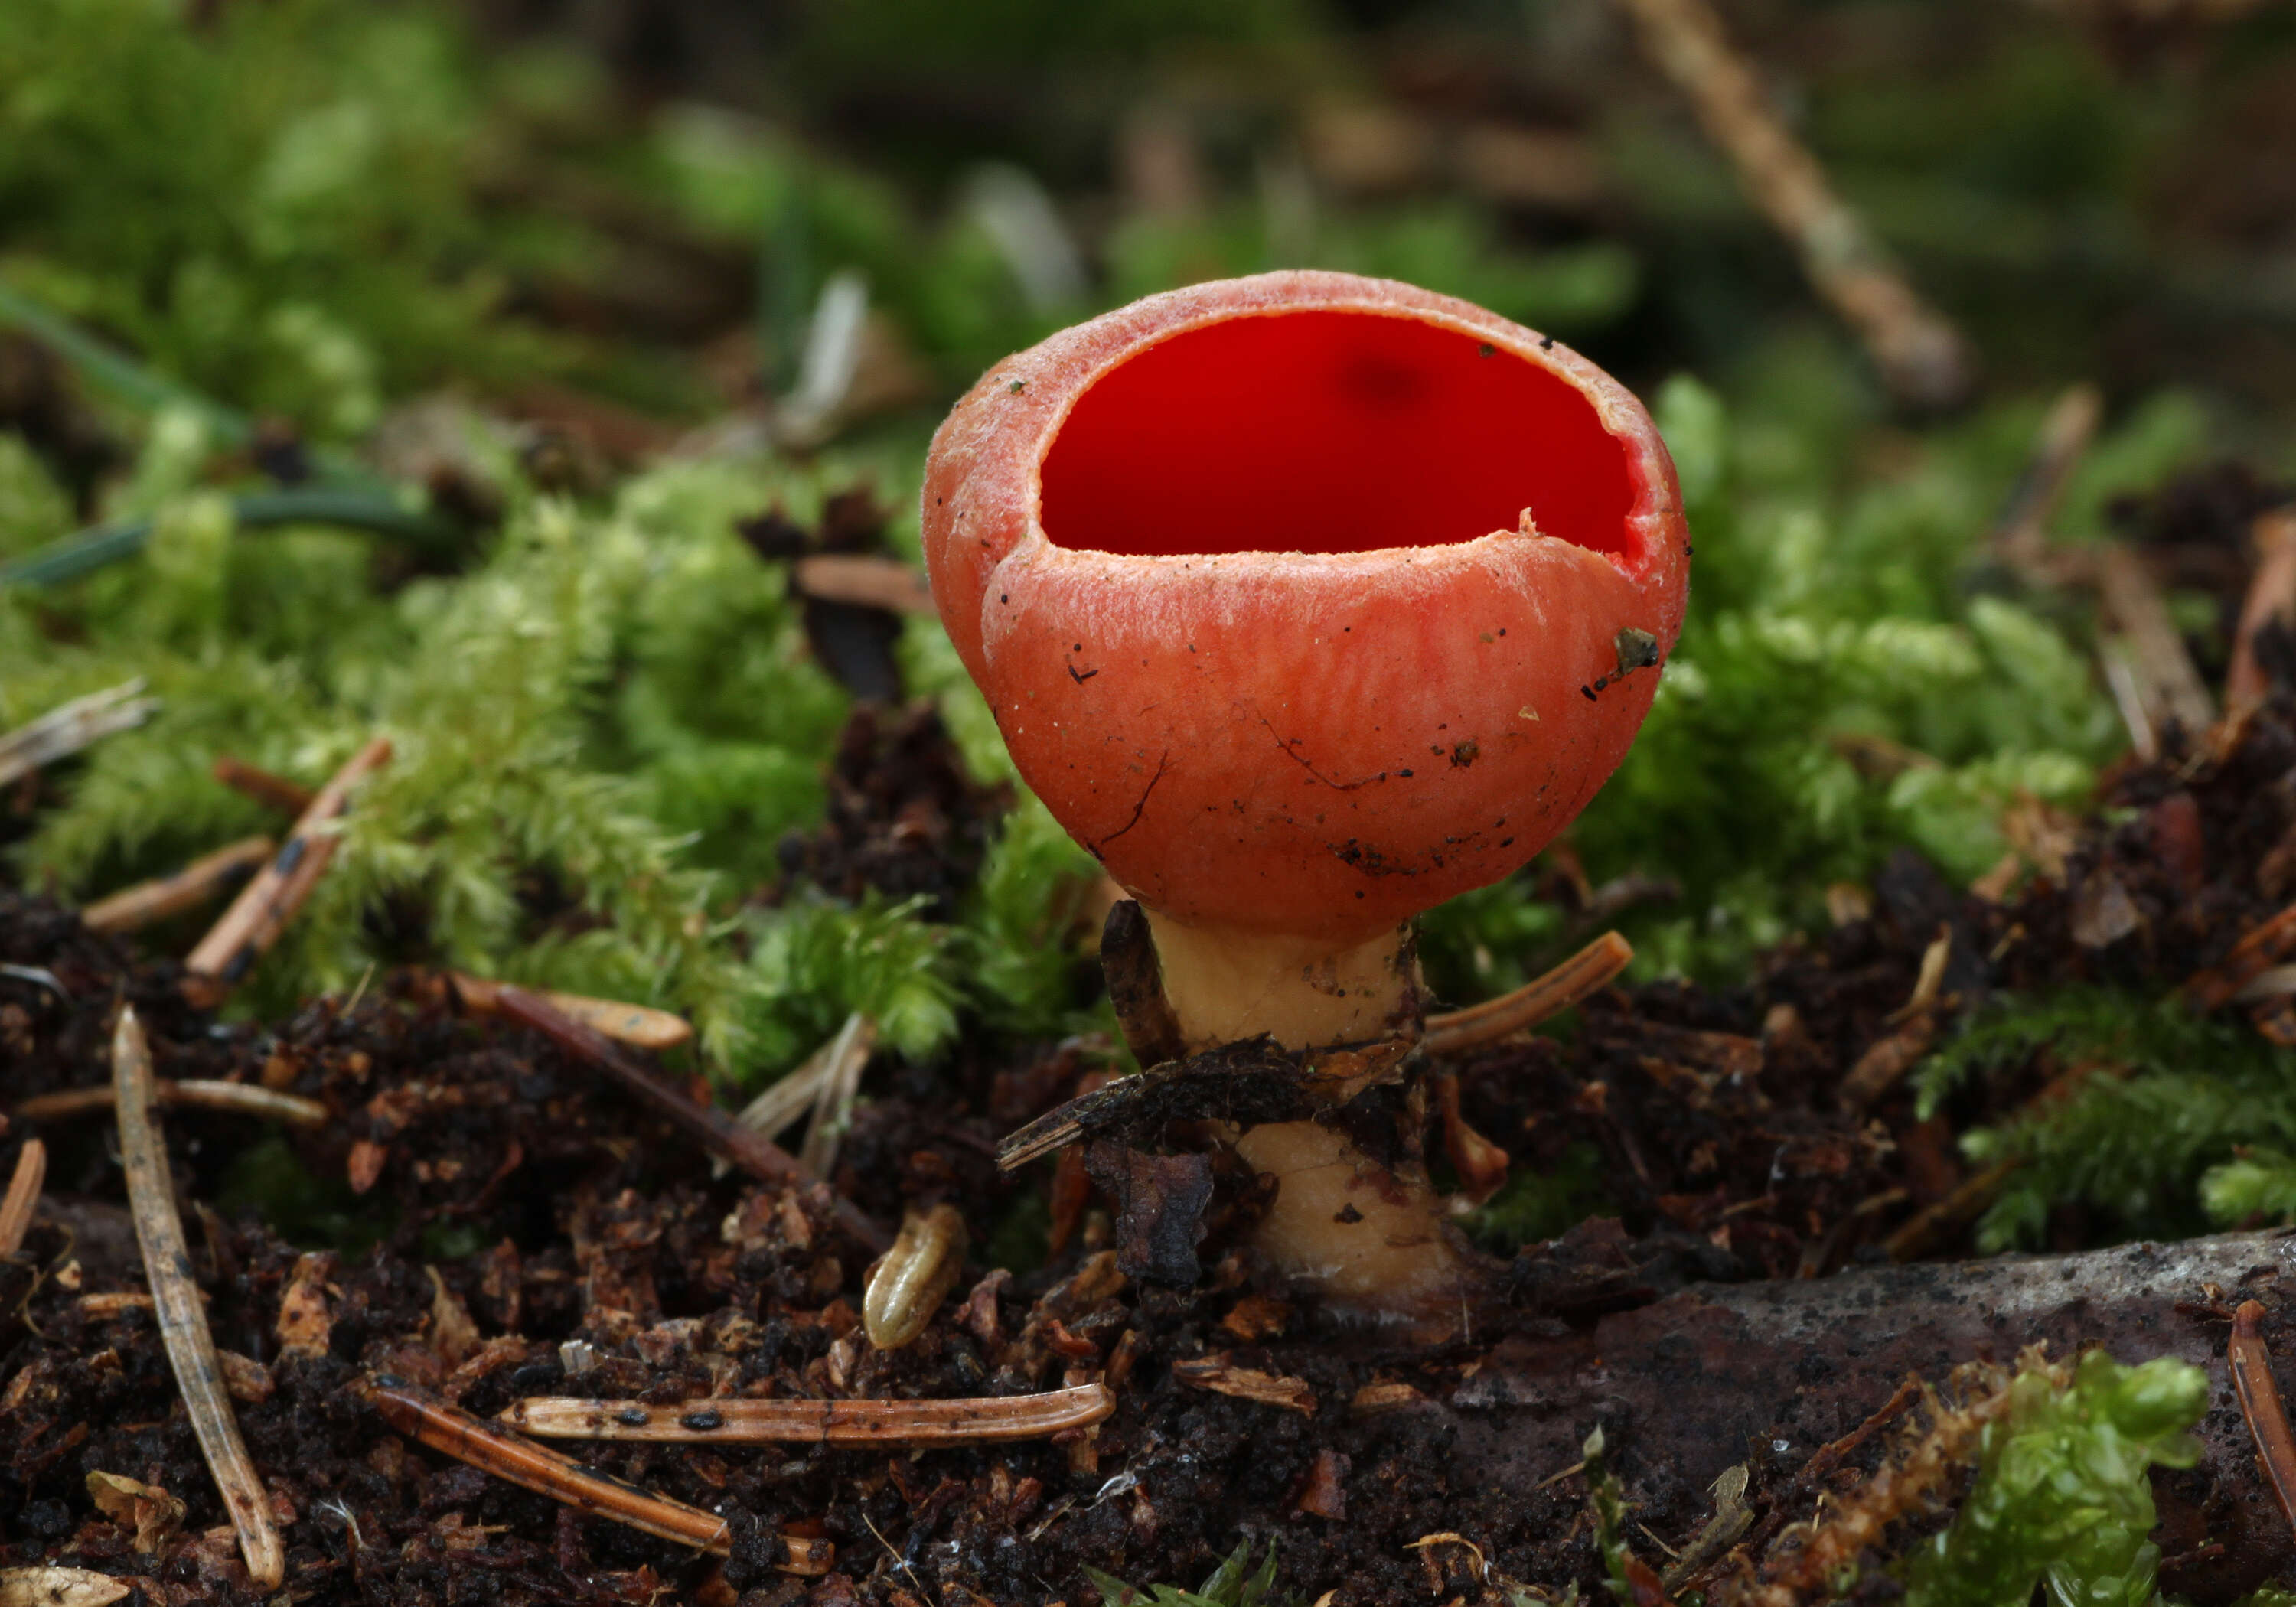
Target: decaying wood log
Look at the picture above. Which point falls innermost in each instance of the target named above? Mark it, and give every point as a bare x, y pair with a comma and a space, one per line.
1689, 1386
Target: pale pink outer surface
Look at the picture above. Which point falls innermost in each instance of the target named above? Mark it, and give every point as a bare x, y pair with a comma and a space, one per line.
1236, 758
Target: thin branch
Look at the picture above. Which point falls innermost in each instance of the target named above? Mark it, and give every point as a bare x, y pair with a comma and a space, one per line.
453, 1432
1592, 968
23, 1195
2271, 596
264, 906
1922, 358
860, 577
707, 1124
67, 729
984, 1419
641, 1026
148, 903
272, 792
176, 1300
195, 1093
2259, 1403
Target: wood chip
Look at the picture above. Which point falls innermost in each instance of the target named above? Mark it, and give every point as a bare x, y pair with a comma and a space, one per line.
23, 1196
197, 1092
59, 1588
183, 1319
267, 904
209, 876
67, 729
1222, 1377
1583, 973
1377, 1400
983, 1420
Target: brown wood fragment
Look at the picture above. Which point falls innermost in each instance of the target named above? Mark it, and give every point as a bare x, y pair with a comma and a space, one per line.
182, 1318
2271, 596
2259, 1404
272, 792
267, 904
1922, 358
707, 1124
868, 581
453, 1432
1583, 973
640, 1026
983, 1420
1222, 1377
1888, 1060
60, 1587
23, 1196
147, 903
1378, 1399
197, 1092
306, 1320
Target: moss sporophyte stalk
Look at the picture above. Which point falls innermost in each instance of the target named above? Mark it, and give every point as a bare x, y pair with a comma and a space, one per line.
1284, 591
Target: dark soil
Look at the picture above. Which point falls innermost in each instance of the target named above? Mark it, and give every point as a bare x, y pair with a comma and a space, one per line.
514, 1203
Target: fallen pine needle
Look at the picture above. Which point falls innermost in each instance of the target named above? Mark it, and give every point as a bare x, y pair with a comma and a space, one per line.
2259, 1403
196, 1093
23, 1195
272, 792
176, 1302
266, 905
148, 902
707, 1124
2259, 950
641, 1026
982, 1420
454, 1433
1592, 968
66, 730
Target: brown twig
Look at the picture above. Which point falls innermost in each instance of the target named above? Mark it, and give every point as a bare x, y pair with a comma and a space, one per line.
2259, 1403
2168, 686
1922, 1231
148, 902
709, 1126
983, 1420
72, 726
1914, 1028
1583, 973
1923, 360
183, 1319
454, 1433
857, 578
272, 792
2271, 596
640, 1026
266, 905
205, 1093
23, 1195
2022, 537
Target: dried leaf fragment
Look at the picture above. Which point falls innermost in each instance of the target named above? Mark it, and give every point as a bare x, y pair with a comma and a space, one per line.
59, 1588
1222, 1377
153, 1513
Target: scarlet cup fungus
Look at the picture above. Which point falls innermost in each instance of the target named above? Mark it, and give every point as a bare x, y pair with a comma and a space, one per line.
1306, 601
